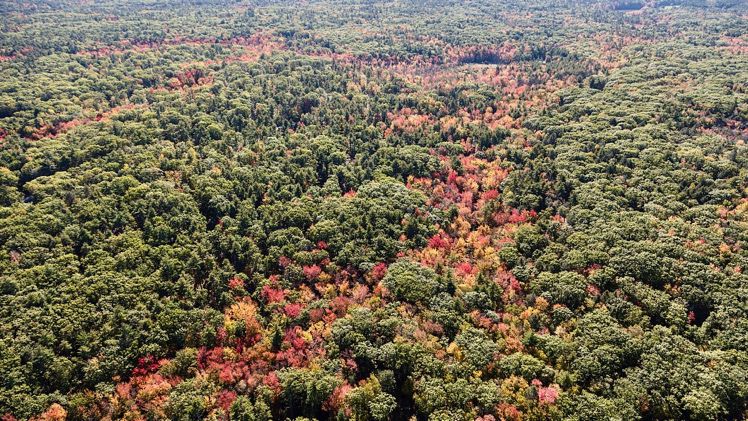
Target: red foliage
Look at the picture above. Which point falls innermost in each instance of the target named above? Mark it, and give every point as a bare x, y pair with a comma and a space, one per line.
467, 244
284, 261
236, 283
513, 217
439, 241
272, 294
272, 381
508, 412
378, 271
464, 268
316, 314
225, 399
490, 195
53, 130
510, 284
293, 337
292, 310
340, 305
227, 375
55, 412
189, 78
336, 400
547, 395
558, 218
312, 272
146, 365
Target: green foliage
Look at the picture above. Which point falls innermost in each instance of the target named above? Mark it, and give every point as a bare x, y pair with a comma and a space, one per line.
242, 409
374, 210
305, 390
412, 282
369, 402
189, 400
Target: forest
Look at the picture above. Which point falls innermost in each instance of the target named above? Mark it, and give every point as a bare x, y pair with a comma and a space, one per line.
373, 210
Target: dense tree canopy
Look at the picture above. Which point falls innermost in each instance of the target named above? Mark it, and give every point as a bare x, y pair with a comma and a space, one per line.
365, 210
